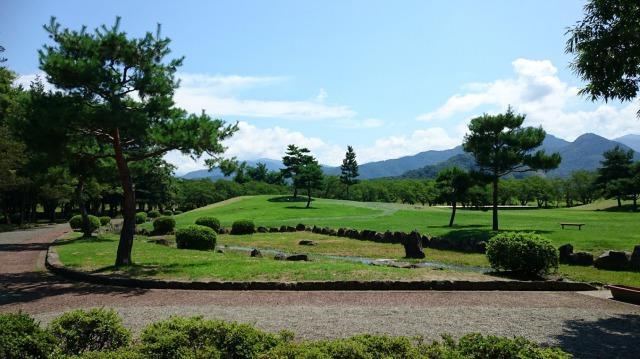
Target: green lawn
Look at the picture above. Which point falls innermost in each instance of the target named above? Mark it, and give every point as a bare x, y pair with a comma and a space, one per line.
157, 261
603, 229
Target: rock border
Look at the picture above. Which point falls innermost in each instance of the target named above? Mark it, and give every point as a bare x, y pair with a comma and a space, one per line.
53, 264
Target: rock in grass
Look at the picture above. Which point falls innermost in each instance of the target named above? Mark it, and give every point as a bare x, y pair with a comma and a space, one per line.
581, 258
565, 251
273, 230
298, 257
612, 260
635, 259
307, 242
300, 227
256, 253
262, 229
280, 257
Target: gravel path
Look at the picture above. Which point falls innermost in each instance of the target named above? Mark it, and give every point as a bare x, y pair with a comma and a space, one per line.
589, 326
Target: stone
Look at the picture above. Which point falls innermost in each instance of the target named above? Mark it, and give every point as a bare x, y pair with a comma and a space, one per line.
297, 257
223, 230
412, 243
300, 227
635, 258
581, 258
273, 230
379, 237
342, 232
565, 251
388, 237
425, 241
333, 232
316, 229
612, 260
262, 230
256, 253
307, 242
325, 231
280, 257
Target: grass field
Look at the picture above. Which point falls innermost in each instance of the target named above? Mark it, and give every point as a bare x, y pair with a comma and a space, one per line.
603, 229
157, 261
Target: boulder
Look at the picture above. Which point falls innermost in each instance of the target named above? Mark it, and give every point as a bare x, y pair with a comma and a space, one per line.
388, 237
256, 253
223, 230
581, 258
333, 232
612, 260
262, 230
297, 257
316, 229
280, 257
273, 230
307, 242
219, 251
565, 251
300, 227
325, 231
635, 259
379, 237
425, 241
412, 243
342, 232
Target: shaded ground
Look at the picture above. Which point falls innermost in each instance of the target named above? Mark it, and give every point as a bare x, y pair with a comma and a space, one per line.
588, 326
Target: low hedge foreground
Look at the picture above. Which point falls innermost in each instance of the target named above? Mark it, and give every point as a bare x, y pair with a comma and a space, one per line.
98, 333
196, 237
526, 254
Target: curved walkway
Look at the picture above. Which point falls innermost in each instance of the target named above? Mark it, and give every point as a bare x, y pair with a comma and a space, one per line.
587, 325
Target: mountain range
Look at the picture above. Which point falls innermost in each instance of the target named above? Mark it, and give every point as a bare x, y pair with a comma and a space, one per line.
585, 153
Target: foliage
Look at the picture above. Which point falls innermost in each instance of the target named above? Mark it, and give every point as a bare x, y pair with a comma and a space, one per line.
164, 225
615, 173
453, 184
527, 254
210, 222
243, 226
104, 220
141, 217
196, 237
309, 176
75, 222
153, 214
96, 329
606, 45
294, 158
500, 146
349, 169
94, 223
22, 338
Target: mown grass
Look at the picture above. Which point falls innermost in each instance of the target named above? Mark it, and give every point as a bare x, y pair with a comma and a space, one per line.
603, 230
157, 261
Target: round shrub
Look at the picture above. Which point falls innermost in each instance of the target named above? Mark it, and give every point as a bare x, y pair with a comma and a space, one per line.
22, 337
523, 253
196, 237
163, 225
141, 217
177, 212
105, 220
96, 329
76, 222
210, 222
243, 227
153, 214
167, 213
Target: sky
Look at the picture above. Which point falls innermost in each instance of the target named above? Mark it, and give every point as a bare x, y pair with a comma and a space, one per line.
390, 78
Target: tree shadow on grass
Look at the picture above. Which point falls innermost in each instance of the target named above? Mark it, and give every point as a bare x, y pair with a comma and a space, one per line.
614, 337
148, 270
482, 234
288, 199
300, 207
92, 239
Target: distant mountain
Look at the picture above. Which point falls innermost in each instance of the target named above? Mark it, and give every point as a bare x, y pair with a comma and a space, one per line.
272, 165
585, 153
633, 141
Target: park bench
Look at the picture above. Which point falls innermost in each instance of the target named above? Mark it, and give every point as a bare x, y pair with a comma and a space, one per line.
579, 225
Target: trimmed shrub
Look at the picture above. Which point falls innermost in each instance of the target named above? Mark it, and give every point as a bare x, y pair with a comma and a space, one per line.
105, 220
153, 214
187, 337
196, 237
122, 353
210, 222
76, 222
177, 212
243, 227
21, 337
141, 217
475, 345
163, 225
96, 329
167, 213
527, 254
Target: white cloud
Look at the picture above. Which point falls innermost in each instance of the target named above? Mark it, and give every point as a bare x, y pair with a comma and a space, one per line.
361, 124
215, 95
537, 91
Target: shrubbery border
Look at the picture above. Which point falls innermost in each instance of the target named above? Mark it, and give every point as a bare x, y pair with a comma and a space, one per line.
54, 265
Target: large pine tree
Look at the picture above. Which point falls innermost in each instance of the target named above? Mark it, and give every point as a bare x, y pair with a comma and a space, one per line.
349, 169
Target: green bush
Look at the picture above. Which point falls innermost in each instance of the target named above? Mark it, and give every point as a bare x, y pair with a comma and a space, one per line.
21, 337
210, 222
97, 329
243, 227
523, 253
196, 237
104, 220
186, 337
141, 217
177, 212
163, 225
122, 353
167, 213
153, 214
76, 222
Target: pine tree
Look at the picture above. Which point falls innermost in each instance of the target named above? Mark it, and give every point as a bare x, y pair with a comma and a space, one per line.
349, 169
294, 157
614, 173
309, 176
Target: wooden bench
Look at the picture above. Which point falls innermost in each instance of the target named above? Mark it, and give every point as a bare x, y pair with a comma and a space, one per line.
579, 225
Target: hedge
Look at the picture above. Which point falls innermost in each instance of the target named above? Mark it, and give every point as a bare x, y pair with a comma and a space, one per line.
163, 225
196, 237
243, 227
526, 254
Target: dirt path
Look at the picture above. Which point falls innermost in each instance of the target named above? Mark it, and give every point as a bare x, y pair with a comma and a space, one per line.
589, 326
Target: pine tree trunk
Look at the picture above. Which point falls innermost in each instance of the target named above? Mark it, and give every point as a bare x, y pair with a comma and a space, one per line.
453, 211
308, 197
295, 192
86, 232
619, 203
123, 256
495, 203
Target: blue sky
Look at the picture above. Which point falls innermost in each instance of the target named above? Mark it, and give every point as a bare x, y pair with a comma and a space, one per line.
391, 78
